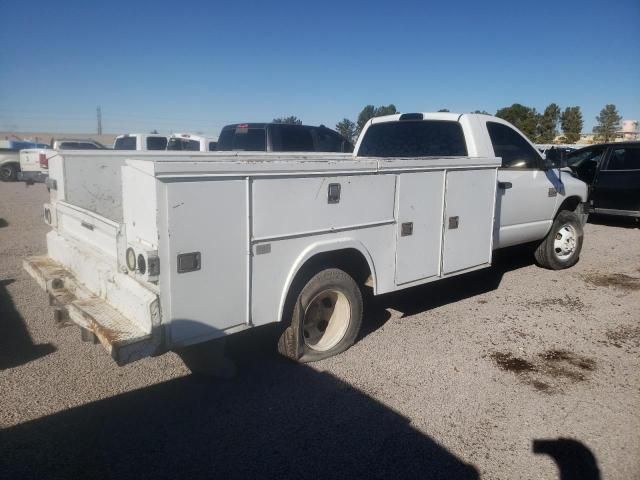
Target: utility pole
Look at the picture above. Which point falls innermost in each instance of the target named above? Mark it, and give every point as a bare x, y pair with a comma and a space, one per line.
99, 112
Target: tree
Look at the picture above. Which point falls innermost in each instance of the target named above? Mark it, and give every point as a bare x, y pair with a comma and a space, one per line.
154, 132
484, 112
524, 118
444, 110
347, 129
608, 123
292, 119
371, 111
548, 125
571, 122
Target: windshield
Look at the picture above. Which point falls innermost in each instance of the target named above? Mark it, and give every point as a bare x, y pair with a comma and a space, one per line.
425, 138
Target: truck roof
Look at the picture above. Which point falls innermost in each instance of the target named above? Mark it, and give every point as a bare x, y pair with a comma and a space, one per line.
142, 134
453, 117
264, 125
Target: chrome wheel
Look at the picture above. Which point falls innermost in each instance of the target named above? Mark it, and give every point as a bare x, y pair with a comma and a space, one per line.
326, 320
564, 243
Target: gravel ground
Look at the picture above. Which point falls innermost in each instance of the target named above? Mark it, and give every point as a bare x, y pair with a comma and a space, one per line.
511, 372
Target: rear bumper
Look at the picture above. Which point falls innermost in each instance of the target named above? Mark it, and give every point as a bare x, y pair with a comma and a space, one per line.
33, 177
124, 341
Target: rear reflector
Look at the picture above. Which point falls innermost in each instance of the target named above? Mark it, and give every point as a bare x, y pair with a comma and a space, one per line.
44, 161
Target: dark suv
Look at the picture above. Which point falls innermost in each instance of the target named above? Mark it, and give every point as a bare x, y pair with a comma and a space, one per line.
613, 172
281, 137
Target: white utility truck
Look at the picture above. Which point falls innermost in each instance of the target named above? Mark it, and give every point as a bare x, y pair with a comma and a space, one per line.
164, 251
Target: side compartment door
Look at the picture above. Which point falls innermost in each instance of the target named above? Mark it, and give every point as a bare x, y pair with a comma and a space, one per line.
468, 219
207, 258
617, 185
420, 203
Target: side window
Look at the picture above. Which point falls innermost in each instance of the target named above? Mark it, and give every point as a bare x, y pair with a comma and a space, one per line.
295, 138
514, 150
590, 155
212, 146
624, 159
125, 143
86, 146
327, 141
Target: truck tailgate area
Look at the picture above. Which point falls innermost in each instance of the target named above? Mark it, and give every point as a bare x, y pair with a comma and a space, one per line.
123, 314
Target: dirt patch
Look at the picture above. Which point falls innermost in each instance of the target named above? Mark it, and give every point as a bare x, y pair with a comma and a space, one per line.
581, 362
619, 281
567, 303
508, 362
625, 334
541, 386
550, 372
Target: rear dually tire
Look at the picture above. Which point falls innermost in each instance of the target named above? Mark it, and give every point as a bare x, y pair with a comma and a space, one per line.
325, 319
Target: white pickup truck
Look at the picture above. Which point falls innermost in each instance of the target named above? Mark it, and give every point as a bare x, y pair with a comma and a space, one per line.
140, 142
34, 162
191, 143
165, 251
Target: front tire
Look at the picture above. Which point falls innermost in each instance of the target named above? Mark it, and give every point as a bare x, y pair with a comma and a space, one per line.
8, 172
561, 247
326, 317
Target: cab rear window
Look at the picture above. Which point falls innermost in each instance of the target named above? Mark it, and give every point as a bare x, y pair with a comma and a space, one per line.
156, 143
424, 138
243, 139
183, 144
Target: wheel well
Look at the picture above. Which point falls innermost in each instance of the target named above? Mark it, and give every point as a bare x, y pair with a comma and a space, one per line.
350, 260
570, 204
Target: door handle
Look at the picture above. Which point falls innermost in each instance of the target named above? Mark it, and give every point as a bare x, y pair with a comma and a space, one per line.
504, 185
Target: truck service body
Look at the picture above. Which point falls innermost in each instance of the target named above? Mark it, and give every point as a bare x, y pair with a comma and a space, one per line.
162, 250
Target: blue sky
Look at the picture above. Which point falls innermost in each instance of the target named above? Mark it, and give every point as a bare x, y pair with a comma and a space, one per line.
201, 65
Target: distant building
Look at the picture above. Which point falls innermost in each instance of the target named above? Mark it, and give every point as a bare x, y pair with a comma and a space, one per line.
629, 131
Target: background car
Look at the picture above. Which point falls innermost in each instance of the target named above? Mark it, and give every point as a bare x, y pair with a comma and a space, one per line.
613, 172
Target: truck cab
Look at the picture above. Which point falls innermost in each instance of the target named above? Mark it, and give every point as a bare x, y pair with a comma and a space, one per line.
140, 142
530, 190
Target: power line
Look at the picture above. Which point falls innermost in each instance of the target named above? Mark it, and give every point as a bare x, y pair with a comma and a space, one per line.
99, 112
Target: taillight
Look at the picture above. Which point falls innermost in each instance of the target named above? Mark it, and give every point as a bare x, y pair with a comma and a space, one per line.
44, 161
